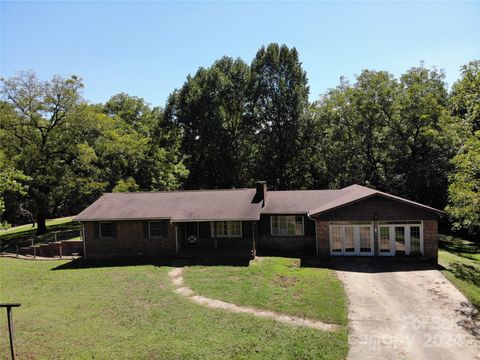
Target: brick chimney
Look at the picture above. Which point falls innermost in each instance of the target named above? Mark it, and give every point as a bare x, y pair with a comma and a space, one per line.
261, 193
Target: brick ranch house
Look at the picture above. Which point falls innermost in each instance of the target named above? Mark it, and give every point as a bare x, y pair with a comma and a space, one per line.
353, 221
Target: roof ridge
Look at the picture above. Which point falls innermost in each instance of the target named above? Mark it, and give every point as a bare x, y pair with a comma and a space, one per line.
174, 191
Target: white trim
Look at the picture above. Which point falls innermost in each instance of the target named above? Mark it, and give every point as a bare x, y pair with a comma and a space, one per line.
100, 230
407, 239
287, 235
356, 239
213, 232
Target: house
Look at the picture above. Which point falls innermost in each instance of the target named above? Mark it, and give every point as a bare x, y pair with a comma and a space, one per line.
353, 221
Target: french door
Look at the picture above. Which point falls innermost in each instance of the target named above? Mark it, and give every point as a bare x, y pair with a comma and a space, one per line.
400, 239
351, 239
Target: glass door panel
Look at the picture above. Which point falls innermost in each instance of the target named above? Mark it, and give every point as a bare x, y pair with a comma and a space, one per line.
365, 234
414, 240
399, 240
384, 240
336, 239
349, 239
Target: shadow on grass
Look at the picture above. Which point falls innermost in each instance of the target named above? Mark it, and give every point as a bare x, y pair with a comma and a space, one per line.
170, 262
456, 245
465, 272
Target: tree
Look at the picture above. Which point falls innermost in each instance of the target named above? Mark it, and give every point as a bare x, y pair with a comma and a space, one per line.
355, 118
464, 189
210, 109
128, 185
465, 96
279, 102
137, 144
37, 137
421, 153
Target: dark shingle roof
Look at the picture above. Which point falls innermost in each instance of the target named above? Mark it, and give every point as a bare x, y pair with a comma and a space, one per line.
234, 204
231, 204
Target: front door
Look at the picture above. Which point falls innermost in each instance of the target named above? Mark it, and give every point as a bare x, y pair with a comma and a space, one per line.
191, 234
385, 243
400, 239
351, 239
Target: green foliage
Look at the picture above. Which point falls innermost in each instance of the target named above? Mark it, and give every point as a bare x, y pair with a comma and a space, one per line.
127, 185
465, 98
210, 109
279, 101
464, 189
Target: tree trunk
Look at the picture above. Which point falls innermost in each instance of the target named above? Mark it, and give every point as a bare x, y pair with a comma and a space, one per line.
41, 224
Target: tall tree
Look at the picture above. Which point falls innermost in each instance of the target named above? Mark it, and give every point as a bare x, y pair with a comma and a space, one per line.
464, 189
279, 102
138, 148
37, 136
421, 152
210, 110
465, 96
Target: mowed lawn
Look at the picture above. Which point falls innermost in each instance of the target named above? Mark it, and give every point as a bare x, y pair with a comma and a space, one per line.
277, 284
461, 261
120, 312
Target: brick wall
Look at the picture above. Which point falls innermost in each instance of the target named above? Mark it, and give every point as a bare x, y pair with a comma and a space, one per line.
130, 241
430, 239
323, 241
294, 244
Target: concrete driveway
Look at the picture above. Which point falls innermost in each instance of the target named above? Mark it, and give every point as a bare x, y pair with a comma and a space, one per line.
405, 310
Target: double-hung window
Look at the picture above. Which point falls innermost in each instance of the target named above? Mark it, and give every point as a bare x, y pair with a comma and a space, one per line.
227, 229
106, 230
287, 225
155, 229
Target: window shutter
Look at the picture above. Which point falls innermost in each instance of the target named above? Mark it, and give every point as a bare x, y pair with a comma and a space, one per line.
96, 227
145, 230
165, 228
114, 230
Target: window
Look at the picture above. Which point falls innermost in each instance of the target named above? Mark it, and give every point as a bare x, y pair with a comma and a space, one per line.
106, 230
227, 229
283, 225
155, 229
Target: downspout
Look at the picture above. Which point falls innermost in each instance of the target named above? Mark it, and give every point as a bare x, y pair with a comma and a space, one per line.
176, 239
84, 237
316, 232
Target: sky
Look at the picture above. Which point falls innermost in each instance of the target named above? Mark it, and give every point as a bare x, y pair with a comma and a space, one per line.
147, 49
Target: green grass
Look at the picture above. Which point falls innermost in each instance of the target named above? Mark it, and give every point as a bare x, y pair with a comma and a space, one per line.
64, 223
122, 312
461, 261
277, 284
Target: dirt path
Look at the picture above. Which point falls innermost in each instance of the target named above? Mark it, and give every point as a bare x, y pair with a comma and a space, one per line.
406, 314
177, 280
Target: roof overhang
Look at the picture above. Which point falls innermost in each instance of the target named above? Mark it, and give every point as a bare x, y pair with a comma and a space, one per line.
381, 194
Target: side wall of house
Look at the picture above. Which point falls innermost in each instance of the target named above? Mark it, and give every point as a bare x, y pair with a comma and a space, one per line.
377, 209
130, 240
268, 243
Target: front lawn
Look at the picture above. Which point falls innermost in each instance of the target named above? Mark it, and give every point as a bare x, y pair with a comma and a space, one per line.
277, 284
461, 260
122, 312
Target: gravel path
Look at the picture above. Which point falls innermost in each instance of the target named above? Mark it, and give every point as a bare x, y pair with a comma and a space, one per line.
177, 280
